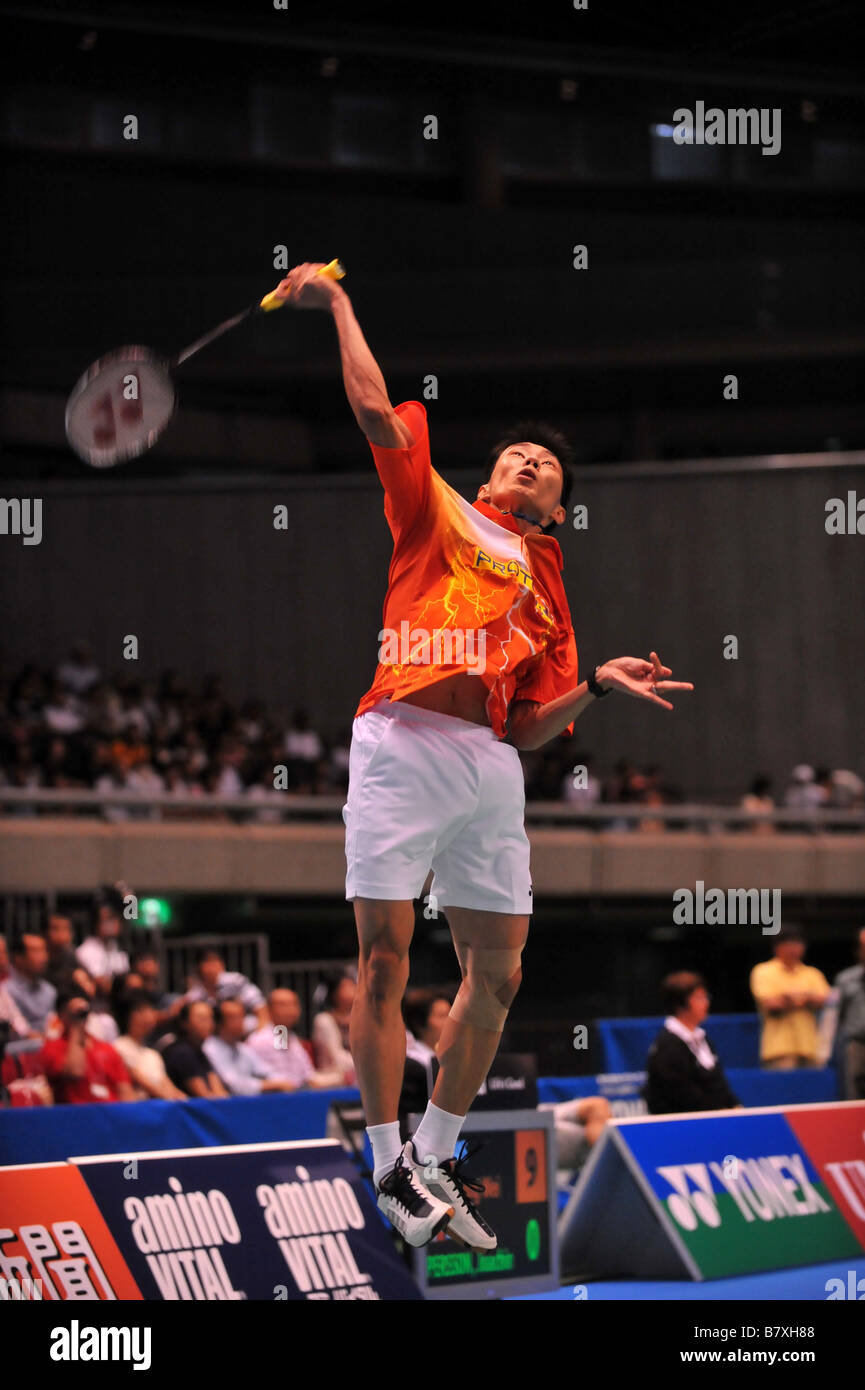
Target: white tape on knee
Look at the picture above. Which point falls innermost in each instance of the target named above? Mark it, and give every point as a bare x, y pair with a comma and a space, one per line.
486, 972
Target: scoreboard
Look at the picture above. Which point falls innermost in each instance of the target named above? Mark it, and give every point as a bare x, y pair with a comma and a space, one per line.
517, 1166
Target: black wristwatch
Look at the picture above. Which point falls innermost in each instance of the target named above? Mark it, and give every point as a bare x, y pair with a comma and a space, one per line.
597, 690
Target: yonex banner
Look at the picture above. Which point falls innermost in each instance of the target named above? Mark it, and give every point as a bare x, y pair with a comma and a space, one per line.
730, 1192
256, 1221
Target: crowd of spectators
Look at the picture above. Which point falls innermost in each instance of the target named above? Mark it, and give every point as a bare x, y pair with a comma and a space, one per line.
72, 729
90, 1024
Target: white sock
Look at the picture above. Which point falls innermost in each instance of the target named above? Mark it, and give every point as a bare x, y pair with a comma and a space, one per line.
437, 1134
386, 1148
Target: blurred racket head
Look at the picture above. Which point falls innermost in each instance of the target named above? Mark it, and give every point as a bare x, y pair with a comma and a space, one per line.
120, 406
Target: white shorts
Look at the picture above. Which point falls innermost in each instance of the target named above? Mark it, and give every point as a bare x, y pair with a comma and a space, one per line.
427, 790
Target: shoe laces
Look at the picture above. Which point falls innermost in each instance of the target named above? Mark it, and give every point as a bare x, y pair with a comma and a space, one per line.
453, 1169
401, 1186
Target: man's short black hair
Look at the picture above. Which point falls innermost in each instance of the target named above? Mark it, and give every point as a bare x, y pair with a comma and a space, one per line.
417, 1006
676, 989
790, 933
129, 1003
538, 432
207, 953
109, 897
185, 1010
144, 953
66, 997
18, 943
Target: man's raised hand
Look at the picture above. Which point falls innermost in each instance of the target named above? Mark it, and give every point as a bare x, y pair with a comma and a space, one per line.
644, 680
304, 288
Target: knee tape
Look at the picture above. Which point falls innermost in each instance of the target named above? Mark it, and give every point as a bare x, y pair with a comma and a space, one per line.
485, 972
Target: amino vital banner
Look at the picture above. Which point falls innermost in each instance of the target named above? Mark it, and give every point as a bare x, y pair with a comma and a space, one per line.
257, 1221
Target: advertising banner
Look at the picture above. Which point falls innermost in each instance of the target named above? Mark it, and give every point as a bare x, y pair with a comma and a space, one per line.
255, 1221
731, 1192
54, 1242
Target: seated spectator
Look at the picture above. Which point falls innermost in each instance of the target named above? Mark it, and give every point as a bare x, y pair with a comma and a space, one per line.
79, 671
338, 760
4, 960
850, 984
303, 749
424, 1012
145, 963
145, 781
652, 796
758, 804
81, 1068
110, 776
63, 712
847, 791
269, 802
330, 1028
807, 790
214, 984
581, 788
99, 953
63, 970
683, 1070
145, 1065
279, 1047
230, 761
579, 1125
10, 1014
788, 995
185, 1061
27, 985
241, 1069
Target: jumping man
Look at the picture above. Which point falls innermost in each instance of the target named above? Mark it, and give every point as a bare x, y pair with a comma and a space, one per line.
477, 659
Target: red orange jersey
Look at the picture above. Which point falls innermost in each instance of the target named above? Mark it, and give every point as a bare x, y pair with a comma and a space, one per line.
466, 591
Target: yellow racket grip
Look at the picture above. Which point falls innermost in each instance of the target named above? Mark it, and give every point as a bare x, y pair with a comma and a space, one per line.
335, 270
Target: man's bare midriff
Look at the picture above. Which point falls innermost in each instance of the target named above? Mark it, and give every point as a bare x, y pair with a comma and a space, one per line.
463, 696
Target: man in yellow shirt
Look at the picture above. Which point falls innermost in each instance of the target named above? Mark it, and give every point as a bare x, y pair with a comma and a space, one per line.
788, 995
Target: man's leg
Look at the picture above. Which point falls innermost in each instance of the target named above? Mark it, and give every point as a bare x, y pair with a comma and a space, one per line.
376, 1029
487, 946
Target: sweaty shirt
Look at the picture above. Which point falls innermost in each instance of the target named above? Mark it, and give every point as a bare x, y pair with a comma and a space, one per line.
466, 591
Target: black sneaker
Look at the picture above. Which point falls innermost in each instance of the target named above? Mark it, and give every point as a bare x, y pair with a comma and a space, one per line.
408, 1205
448, 1182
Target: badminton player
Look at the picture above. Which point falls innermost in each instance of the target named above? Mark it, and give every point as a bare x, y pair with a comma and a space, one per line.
477, 659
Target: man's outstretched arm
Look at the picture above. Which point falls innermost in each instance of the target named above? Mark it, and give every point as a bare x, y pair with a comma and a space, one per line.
364, 384
530, 724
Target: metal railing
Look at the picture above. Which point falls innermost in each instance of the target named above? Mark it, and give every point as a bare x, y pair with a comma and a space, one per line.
304, 977
250, 955
247, 953
18, 802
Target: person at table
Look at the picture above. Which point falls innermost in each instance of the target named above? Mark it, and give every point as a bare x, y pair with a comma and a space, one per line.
683, 1072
